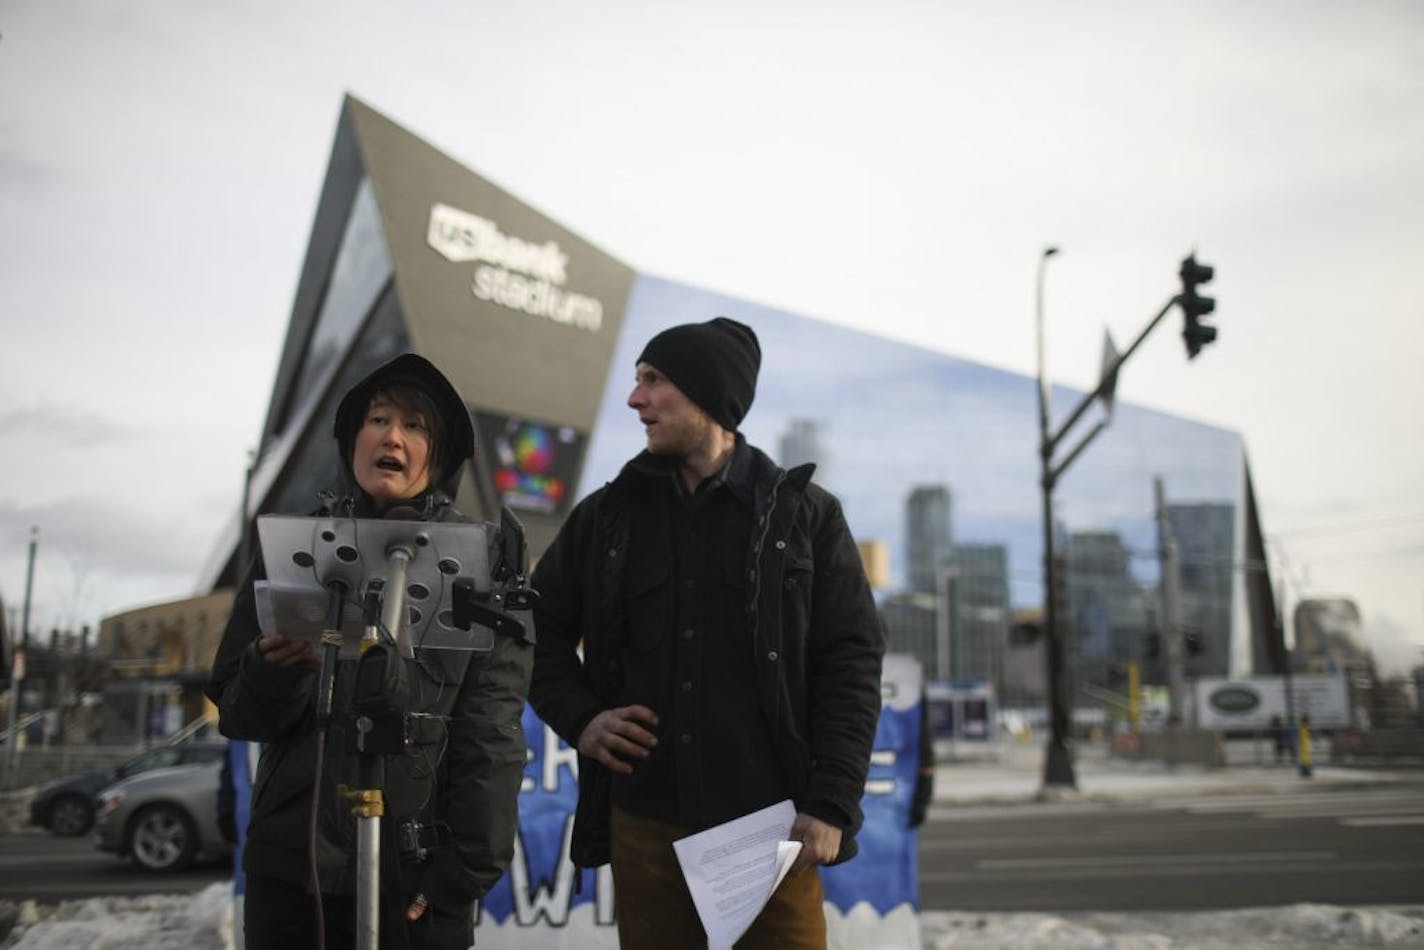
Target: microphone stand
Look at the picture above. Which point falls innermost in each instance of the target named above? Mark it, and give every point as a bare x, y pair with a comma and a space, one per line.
380, 700
376, 704
368, 805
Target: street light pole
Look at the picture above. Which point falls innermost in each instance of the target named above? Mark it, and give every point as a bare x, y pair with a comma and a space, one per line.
1058, 761
1058, 756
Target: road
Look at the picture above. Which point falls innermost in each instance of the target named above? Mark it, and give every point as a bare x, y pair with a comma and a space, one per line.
1338, 846
44, 868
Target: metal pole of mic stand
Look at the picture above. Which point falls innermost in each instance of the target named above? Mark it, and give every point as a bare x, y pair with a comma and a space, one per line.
368, 805
368, 802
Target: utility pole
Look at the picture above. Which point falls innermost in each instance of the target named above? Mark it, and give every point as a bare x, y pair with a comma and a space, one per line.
944, 601
1058, 757
1290, 725
1171, 607
17, 668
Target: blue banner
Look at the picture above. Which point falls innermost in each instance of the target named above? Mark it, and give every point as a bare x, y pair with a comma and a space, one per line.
871, 901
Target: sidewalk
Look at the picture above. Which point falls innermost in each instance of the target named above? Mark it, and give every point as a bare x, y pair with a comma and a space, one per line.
1013, 774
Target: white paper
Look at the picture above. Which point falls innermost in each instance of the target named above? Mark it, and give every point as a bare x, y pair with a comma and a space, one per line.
733, 869
301, 614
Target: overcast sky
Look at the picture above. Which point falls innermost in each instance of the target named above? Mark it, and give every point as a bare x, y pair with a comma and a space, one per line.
894, 166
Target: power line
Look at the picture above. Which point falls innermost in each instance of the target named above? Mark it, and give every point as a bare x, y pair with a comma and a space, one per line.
1371, 555
1350, 527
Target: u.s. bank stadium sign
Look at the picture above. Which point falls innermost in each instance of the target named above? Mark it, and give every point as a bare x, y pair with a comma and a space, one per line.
512, 272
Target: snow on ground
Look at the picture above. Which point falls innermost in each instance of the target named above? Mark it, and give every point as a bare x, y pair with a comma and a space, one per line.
201, 921
1301, 927
204, 922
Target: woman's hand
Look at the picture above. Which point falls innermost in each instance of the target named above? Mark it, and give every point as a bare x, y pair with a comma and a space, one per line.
277, 650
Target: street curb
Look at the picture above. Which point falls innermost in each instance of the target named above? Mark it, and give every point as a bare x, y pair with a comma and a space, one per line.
1097, 789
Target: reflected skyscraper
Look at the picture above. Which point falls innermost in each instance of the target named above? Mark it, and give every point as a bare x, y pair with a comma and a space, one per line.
802, 443
1107, 614
911, 627
1205, 536
928, 536
979, 610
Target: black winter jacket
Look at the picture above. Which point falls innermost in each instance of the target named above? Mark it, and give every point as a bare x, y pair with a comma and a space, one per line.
459, 778
817, 637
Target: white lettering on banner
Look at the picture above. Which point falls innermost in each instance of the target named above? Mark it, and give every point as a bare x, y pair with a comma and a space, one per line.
550, 902
885, 758
556, 755
515, 273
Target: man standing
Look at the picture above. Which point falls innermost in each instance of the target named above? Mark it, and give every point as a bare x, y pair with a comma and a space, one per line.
731, 649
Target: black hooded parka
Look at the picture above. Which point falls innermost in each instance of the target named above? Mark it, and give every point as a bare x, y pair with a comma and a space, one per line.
448, 832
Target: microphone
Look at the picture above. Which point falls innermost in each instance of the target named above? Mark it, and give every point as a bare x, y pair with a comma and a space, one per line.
399, 554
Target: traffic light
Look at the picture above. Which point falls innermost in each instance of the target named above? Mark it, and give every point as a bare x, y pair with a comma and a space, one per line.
1025, 633
1194, 306
1193, 643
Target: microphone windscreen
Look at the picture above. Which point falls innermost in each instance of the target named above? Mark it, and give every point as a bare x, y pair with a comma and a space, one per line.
402, 513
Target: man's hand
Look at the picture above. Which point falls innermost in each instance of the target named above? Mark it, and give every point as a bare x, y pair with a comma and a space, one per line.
277, 650
820, 842
616, 735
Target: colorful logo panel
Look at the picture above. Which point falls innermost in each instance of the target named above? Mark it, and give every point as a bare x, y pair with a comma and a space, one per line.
533, 464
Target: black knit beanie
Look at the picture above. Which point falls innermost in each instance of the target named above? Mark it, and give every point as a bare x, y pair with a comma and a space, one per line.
714, 364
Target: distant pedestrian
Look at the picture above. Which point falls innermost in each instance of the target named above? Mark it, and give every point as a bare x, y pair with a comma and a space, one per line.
1280, 735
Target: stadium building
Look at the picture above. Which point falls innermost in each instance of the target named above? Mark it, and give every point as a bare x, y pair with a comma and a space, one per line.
540, 328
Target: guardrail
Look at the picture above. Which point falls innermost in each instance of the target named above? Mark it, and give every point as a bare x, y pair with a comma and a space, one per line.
31, 765
19, 727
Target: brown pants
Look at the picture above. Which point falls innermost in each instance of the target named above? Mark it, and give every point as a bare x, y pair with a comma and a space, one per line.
655, 909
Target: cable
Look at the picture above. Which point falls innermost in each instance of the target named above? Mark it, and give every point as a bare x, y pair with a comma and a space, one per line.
312, 840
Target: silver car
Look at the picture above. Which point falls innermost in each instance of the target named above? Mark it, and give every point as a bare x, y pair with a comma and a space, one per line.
165, 819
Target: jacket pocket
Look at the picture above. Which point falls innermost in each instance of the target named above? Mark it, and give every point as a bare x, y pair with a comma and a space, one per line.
648, 606
797, 580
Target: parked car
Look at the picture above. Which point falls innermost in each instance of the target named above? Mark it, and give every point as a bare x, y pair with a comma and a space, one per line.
163, 819
66, 806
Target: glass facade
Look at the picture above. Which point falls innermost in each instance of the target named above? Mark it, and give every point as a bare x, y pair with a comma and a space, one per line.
314, 462
914, 434
361, 272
